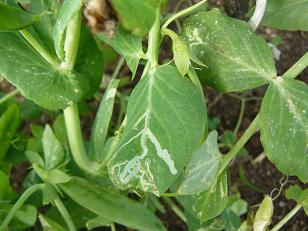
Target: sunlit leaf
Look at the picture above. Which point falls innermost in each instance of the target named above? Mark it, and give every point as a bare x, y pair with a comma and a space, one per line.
284, 126
286, 14
236, 58
165, 120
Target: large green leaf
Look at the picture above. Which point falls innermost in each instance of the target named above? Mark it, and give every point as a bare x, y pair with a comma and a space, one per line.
69, 9
284, 126
212, 202
237, 59
89, 62
14, 19
286, 14
202, 168
111, 205
127, 45
38, 80
165, 120
136, 16
9, 123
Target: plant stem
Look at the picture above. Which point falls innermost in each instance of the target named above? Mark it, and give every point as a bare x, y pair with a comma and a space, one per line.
113, 228
175, 209
66, 216
183, 13
118, 68
75, 139
240, 118
9, 96
285, 219
297, 68
240, 143
35, 44
71, 114
19, 203
71, 43
154, 40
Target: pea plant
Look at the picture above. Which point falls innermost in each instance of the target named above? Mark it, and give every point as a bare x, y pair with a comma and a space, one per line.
161, 148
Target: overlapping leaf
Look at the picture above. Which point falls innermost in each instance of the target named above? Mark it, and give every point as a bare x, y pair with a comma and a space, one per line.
284, 126
13, 19
165, 120
202, 168
287, 14
136, 16
112, 205
237, 59
127, 45
212, 202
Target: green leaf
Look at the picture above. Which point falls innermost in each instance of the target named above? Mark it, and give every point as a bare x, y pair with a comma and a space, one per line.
165, 120
68, 11
136, 16
53, 151
127, 45
102, 119
27, 215
237, 59
111, 205
9, 123
35, 158
37, 80
49, 224
49, 194
98, 222
54, 176
202, 168
286, 14
43, 28
230, 220
4, 185
294, 192
284, 126
264, 215
60, 130
89, 62
14, 19
212, 202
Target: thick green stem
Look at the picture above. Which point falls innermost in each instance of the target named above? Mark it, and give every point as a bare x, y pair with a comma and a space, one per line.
240, 143
75, 139
35, 44
9, 96
66, 216
297, 68
284, 220
18, 204
71, 114
154, 40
